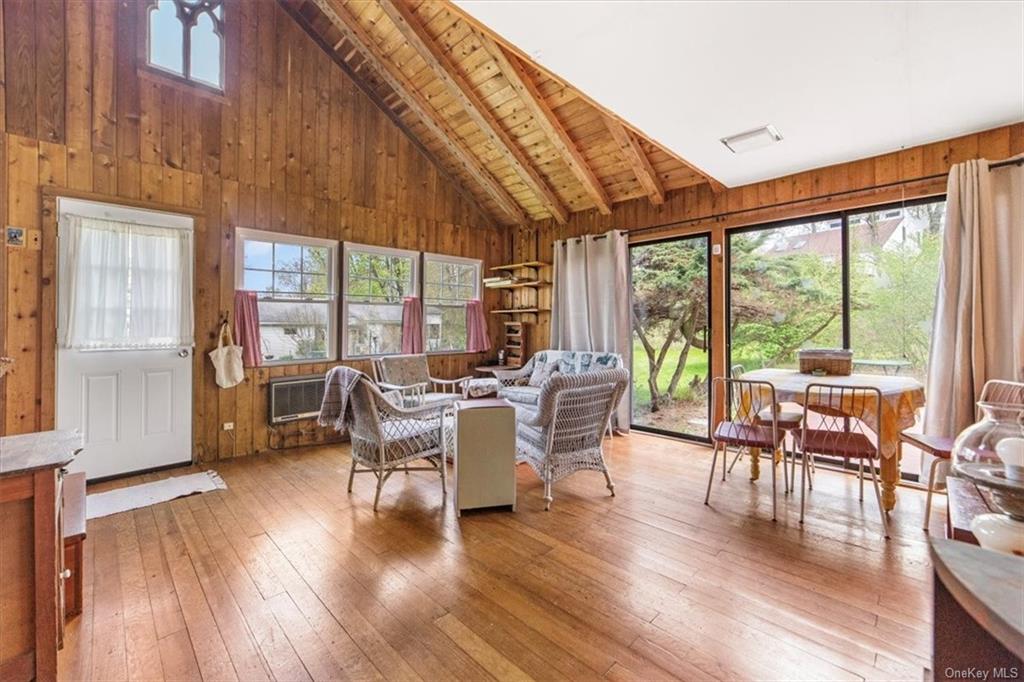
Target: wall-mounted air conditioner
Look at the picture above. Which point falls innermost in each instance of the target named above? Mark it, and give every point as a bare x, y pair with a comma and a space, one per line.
293, 398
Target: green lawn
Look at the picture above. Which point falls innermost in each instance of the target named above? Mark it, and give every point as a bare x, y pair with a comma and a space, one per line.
696, 365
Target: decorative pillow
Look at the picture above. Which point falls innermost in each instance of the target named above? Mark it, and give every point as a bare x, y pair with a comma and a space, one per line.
585, 360
567, 366
541, 373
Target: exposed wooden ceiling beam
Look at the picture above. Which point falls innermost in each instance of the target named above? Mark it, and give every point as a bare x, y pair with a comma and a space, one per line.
462, 91
513, 50
515, 73
637, 159
418, 104
368, 90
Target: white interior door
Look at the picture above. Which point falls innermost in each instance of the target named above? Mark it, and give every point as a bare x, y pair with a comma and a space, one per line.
124, 356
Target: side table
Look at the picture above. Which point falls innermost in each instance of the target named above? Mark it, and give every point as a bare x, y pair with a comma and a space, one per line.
485, 454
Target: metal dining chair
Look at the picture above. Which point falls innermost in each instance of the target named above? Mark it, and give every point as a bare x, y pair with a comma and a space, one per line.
1002, 392
788, 421
742, 428
840, 430
941, 447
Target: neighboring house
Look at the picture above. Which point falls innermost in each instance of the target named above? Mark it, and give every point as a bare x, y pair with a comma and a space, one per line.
828, 242
376, 329
287, 328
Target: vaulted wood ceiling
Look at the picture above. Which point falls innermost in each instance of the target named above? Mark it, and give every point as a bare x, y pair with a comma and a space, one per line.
527, 145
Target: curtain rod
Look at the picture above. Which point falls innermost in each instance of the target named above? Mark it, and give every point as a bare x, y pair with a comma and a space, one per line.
1017, 161
565, 242
793, 202
1005, 164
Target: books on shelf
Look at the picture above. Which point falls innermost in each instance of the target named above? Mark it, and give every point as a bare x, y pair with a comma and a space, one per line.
498, 282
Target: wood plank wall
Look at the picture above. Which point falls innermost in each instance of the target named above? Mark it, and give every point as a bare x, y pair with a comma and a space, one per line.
293, 146
910, 173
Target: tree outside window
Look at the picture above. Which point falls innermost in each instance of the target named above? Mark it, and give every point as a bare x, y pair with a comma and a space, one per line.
377, 280
293, 278
448, 284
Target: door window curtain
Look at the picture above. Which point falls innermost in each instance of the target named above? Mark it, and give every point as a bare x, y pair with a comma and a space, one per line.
979, 309
124, 285
591, 300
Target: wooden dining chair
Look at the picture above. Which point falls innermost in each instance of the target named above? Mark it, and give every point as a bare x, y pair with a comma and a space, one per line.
840, 430
742, 428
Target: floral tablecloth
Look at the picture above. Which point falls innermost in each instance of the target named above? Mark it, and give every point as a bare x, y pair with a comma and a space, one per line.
901, 398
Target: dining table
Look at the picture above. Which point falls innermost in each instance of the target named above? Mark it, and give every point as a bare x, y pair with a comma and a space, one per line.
902, 396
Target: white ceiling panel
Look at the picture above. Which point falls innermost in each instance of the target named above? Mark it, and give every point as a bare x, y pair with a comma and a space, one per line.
839, 80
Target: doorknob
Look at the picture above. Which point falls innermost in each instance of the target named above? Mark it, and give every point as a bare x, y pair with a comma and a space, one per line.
183, 353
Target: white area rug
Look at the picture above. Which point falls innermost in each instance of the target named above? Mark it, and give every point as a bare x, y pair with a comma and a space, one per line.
145, 494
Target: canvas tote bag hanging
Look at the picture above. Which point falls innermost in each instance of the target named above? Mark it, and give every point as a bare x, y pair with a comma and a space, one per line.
227, 359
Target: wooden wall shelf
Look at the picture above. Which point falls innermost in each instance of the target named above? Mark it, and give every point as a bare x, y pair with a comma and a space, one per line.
524, 298
520, 310
520, 285
517, 266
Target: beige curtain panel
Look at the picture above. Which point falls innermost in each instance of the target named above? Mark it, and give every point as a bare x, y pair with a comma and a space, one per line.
591, 309
978, 327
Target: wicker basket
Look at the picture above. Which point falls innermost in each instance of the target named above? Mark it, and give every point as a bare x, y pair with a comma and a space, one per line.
832, 361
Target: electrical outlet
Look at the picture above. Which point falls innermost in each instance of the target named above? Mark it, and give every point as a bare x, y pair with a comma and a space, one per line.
229, 426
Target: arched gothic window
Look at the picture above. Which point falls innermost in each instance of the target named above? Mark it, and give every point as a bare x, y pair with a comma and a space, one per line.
185, 38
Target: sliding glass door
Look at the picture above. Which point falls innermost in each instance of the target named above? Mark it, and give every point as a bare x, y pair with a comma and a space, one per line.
895, 257
786, 292
671, 337
863, 280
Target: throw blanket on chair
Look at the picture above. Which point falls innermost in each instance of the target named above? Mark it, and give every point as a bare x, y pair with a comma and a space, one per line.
334, 410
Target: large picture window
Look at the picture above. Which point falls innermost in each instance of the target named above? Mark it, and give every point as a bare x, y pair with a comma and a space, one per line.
294, 279
863, 280
185, 38
786, 292
377, 280
448, 284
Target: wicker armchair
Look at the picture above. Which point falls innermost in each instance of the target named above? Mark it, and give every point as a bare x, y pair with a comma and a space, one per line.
565, 434
411, 375
386, 437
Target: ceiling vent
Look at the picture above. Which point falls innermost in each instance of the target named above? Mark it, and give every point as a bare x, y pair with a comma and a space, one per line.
752, 139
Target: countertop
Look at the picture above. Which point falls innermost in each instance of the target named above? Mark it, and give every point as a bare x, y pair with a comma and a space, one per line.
34, 451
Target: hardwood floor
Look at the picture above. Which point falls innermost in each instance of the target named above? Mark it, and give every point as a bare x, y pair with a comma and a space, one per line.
286, 576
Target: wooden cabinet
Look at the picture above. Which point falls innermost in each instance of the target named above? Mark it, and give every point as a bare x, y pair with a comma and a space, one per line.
32, 552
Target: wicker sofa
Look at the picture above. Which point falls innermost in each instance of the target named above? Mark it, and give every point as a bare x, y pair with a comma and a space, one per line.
523, 386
